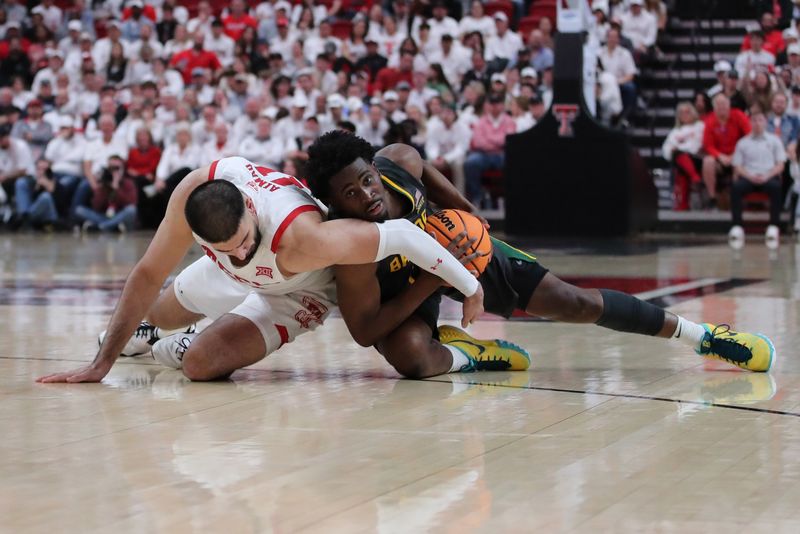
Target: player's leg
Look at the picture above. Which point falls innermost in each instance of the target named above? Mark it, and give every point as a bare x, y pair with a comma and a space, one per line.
418, 348
513, 274
414, 352
257, 327
200, 290
229, 343
710, 169
557, 300
168, 313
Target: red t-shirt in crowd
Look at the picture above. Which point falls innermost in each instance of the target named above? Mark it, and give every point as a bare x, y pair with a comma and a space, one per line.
389, 77
773, 43
143, 163
722, 138
234, 26
189, 59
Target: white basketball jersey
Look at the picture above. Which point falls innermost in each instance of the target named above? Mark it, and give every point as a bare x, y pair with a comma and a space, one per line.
278, 199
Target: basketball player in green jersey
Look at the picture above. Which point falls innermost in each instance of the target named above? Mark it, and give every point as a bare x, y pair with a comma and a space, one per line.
395, 308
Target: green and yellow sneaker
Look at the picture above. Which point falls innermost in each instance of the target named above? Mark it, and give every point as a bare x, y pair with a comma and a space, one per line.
486, 355
754, 352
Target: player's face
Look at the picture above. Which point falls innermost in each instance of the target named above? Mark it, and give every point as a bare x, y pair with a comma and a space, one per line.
243, 245
357, 192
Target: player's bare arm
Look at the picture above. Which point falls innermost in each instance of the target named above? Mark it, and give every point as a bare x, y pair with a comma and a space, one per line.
440, 191
310, 244
170, 244
367, 319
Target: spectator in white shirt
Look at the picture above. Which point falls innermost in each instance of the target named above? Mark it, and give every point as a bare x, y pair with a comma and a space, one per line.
447, 144
454, 59
322, 42
619, 62
505, 44
220, 44
476, 21
15, 160
219, 147
182, 155
51, 14
292, 126
330, 121
203, 128
101, 51
391, 38
202, 22
758, 163
99, 150
262, 146
375, 127
756, 58
283, 42
148, 38
55, 65
682, 148
391, 107
440, 23
520, 112
65, 152
179, 42
72, 41
640, 26
245, 125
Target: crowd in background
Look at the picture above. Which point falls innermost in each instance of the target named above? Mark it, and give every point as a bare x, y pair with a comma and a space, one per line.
105, 106
740, 136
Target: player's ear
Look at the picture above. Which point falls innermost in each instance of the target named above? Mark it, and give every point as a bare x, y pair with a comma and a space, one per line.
248, 202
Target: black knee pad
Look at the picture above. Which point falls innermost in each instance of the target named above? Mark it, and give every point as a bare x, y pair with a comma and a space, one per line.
625, 313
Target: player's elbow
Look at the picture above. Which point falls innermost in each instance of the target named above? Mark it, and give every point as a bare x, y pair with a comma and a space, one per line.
363, 338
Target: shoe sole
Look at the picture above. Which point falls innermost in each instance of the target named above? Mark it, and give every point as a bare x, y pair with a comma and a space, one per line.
773, 354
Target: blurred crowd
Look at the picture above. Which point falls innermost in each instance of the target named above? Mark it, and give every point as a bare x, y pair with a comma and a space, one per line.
106, 106
737, 141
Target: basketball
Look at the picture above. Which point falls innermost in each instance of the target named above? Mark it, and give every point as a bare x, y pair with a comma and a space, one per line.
447, 224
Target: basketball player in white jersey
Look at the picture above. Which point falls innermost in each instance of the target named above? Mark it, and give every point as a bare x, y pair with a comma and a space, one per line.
264, 279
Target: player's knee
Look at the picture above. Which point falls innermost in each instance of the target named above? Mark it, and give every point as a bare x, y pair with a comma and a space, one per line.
410, 358
197, 367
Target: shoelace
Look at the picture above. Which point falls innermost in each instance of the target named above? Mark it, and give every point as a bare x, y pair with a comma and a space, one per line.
143, 330
728, 349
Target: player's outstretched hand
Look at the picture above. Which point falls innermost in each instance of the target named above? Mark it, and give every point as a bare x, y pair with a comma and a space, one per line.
89, 373
473, 308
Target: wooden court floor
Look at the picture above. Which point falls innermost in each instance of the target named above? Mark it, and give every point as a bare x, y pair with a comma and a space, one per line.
606, 433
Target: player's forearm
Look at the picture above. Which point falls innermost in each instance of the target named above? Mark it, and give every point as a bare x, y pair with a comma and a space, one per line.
139, 293
400, 237
377, 324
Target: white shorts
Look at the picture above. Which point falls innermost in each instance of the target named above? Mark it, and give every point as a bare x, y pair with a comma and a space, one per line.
204, 289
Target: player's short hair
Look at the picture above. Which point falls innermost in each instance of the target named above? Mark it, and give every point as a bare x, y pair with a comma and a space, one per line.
214, 210
331, 153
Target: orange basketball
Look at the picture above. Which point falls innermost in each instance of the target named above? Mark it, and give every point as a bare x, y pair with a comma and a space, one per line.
447, 224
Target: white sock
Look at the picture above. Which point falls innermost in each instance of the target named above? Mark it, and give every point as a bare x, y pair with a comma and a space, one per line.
690, 333
460, 360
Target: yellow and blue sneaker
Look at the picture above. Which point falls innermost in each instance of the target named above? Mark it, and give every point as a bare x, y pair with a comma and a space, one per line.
486, 355
754, 352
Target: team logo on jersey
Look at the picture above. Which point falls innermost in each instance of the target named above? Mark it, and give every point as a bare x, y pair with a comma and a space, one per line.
313, 313
264, 271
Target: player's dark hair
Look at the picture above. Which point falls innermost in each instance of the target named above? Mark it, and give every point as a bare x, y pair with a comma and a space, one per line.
330, 154
214, 210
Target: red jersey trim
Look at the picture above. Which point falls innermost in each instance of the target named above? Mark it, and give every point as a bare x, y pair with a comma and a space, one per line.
212, 170
287, 221
283, 332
